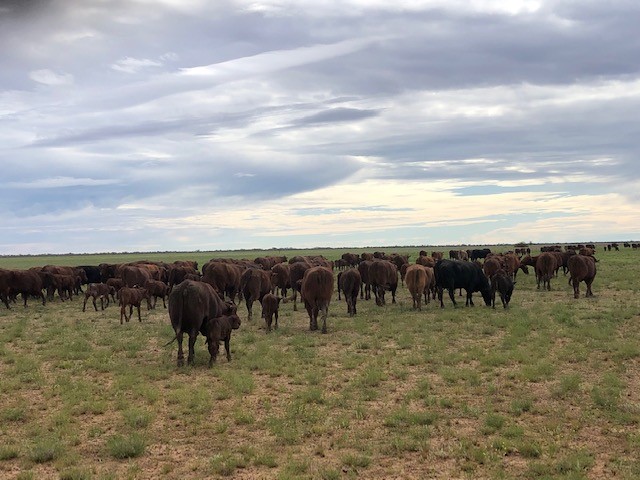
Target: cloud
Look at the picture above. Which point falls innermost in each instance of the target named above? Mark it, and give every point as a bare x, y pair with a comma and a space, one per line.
133, 65
48, 77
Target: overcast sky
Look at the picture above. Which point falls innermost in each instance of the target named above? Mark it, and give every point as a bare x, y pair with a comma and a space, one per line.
144, 125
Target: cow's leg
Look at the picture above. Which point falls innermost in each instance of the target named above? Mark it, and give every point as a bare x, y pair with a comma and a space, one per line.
451, 296
95, 305
276, 315
213, 352
180, 352
324, 312
139, 317
192, 352
393, 294
249, 303
267, 320
295, 299
311, 319
576, 288
102, 303
226, 347
84, 305
164, 303
123, 312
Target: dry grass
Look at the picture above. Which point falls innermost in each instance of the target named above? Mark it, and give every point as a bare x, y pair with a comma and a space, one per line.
547, 389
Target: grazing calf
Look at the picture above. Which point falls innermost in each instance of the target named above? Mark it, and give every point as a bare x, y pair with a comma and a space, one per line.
416, 279
217, 330
131, 297
98, 290
157, 289
270, 304
582, 268
64, 284
349, 282
316, 290
365, 286
502, 283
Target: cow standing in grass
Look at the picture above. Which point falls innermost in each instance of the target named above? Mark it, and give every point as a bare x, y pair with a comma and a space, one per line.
195, 307
131, 297
416, 278
452, 274
349, 282
582, 268
316, 290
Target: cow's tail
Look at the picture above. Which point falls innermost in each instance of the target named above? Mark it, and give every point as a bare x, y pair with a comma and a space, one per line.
172, 340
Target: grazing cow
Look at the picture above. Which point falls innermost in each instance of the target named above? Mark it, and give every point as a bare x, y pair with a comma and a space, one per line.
417, 284
425, 261
26, 283
296, 274
135, 276
270, 304
452, 274
157, 289
382, 275
316, 290
349, 282
365, 286
131, 297
195, 307
64, 284
280, 278
513, 264
178, 273
95, 291
478, 253
254, 284
92, 273
545, 269
491, 266
582, 268
351, 259
502, 283
223, 277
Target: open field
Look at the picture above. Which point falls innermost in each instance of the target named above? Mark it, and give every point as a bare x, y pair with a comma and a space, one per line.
549, 388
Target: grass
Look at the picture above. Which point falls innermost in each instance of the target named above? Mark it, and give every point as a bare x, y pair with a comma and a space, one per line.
545, 389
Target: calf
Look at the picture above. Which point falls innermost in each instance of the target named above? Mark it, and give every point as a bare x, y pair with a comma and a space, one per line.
416, 278
98, 290
131, 297
157, 289
545, 269
502, 283
270, 304
383, 274
217, 330
254, 284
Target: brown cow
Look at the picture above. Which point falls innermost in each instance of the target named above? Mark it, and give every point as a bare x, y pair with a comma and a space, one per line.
582, 268
5, 286
545, 269
98, 290
425, 261
280, 278
383, 274
135, 276
192, 307
491, 266
157, 289
254, 284
26, 283
178, 273
296, 274
64, 284
270, 304
224, 277
349, 283
365, 287
218, 330
316, 290
131, 297
416, 278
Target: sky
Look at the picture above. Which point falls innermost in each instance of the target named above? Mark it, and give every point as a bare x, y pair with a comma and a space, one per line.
181, 125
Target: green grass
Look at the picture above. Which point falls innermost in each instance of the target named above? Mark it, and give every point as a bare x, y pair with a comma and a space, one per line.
545, 389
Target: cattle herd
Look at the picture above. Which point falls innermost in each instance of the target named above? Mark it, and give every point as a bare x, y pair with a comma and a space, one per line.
204, 301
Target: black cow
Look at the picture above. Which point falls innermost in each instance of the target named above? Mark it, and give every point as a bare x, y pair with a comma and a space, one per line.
478, 253
349, 282
452, 274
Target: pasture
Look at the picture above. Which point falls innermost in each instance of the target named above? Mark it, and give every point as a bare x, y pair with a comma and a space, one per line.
549, 388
